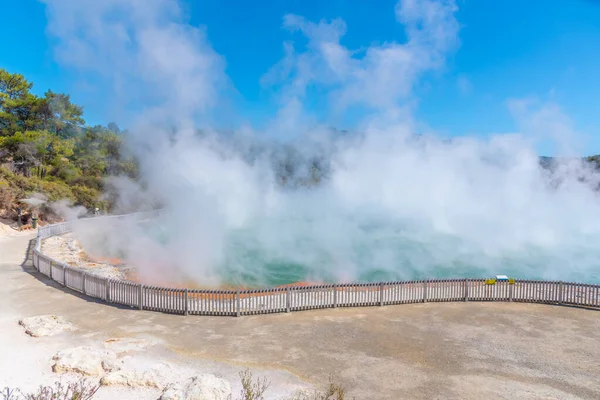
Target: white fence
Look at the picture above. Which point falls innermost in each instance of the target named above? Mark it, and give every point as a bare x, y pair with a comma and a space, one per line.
278, 300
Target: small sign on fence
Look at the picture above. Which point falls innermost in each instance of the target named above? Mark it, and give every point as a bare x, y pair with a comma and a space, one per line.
500, 278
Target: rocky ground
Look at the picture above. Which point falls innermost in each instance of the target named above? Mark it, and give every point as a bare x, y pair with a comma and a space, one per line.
42, 346
132, 368
67, 249
124, 364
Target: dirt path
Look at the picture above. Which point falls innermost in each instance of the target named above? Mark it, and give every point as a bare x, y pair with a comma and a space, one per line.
421, 351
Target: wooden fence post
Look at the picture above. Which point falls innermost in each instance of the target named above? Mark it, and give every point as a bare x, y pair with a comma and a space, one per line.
381, 294
108, 290
287, 299
51, 262
83, 283
186, 306
335, 293
466, 289
425, 291
64, 268
560, 292
141, 296
237, 304
510, 291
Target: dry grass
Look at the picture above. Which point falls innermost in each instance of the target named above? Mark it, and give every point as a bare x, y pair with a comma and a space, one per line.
78, 390
253, 389
334, 391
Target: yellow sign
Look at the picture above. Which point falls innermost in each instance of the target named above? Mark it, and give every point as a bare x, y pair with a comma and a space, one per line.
490, 281
511, 281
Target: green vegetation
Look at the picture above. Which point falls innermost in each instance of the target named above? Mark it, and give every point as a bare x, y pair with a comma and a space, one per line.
46, 148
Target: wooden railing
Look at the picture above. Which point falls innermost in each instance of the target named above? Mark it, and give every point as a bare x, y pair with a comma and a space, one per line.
280, 300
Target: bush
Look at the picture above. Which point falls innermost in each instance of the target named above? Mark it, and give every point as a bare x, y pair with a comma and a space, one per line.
253, 390
334, 391
91, 181
87, 197
7, 200
14, 186
55, 190
79, 390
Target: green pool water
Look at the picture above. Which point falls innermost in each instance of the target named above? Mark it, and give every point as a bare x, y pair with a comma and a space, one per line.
256, 256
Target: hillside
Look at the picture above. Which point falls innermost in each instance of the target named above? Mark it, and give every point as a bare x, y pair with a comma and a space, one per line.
47, 150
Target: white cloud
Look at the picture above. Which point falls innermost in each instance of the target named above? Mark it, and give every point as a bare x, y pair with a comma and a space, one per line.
378, 78
144, 49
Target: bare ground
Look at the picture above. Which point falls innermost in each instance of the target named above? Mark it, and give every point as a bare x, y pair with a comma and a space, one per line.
420, 351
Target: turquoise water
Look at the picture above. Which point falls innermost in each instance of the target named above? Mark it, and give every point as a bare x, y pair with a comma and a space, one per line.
261, 256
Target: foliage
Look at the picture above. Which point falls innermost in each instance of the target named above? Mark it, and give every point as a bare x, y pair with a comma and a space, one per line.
45, 147
334, 391
79, 390
253, 389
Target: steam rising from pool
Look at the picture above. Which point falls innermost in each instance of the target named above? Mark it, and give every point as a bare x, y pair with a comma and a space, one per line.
380, 207
295, 201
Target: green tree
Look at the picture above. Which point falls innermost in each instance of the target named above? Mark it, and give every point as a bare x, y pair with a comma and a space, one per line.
62, 117
20, 110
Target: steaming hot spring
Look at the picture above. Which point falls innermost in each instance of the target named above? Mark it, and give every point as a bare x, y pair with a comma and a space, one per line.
362, 209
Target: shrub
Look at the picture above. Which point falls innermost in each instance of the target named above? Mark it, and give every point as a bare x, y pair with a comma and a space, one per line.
255, 389
78, 390
55, 190
251, 389
87, 197
333, 391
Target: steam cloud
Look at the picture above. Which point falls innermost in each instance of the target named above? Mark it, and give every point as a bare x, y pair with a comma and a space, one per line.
393, 202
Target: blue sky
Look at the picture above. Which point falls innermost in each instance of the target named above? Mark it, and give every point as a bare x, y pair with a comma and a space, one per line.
547, 50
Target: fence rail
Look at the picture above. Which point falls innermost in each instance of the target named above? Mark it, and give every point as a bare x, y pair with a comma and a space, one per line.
280, 300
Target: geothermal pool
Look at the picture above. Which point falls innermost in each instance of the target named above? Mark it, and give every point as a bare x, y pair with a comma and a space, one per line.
273, 252
388, 253
377, 209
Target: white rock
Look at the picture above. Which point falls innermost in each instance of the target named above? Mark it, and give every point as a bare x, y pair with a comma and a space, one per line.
74, 245
45, 325
201, 387
158, 377
85, 360
111, 364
